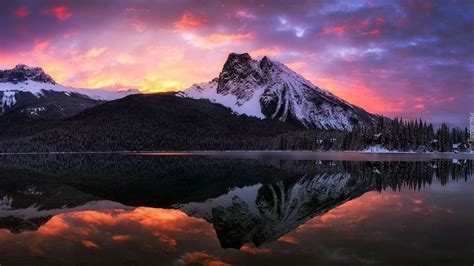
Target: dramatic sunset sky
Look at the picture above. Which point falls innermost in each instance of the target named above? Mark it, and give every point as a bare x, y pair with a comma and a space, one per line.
404, 58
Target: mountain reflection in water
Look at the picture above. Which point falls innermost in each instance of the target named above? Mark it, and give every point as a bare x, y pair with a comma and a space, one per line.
84, 209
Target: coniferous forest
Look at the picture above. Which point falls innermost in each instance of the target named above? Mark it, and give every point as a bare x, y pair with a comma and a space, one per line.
164, 122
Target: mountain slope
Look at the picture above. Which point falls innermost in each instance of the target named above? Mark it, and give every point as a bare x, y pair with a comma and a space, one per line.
151, 122
269, 89
264, 213
29, 92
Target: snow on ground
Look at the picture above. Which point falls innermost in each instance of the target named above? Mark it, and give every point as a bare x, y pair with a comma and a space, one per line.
377, 148
36, 110
208, 90
8, 99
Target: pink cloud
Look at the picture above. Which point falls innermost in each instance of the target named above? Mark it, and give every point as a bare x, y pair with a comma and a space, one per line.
62, 12
40, 46
346, 27
22, 12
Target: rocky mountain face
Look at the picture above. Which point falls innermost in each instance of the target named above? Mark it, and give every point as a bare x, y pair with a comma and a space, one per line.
264, 213
28, 92
269, 89
22, 73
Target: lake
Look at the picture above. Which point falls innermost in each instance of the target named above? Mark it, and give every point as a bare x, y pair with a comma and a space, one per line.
237, 208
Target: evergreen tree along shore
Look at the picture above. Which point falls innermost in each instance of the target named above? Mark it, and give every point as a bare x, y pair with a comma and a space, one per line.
159, 122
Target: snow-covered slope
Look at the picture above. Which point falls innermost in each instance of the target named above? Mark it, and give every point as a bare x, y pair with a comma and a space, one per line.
30, 92
269, 89
208, 90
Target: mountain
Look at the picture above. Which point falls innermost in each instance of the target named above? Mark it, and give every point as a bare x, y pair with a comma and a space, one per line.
269, 89
264, 213
151, 122
28, 92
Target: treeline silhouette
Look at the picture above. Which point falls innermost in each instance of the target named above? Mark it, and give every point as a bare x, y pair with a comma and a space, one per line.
162, 181
166, 122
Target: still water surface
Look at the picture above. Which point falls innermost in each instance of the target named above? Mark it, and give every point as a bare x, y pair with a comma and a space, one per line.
236, 209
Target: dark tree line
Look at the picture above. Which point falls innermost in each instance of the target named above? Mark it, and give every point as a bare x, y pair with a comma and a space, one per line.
166, 122
415, 135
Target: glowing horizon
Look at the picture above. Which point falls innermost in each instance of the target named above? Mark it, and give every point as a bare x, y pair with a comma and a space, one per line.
410, 59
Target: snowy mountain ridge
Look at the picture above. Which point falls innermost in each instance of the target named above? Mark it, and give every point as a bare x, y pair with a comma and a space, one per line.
269, 89
263, 213
30, 92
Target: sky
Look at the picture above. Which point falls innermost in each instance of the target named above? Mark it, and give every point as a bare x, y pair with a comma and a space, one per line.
410, 59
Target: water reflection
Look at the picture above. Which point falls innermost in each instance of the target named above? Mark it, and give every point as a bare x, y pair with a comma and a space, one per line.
182, 210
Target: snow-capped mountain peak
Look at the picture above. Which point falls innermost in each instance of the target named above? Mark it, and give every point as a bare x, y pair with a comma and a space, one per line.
269, 89
29, 91
22, 73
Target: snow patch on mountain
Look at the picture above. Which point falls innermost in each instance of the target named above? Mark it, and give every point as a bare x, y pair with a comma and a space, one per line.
35, 111
208, 90
8, 99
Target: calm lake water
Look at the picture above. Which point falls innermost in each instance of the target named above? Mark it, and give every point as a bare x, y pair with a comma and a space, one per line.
243, 208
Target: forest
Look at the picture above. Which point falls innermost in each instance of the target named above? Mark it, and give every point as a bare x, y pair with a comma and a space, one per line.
163, 122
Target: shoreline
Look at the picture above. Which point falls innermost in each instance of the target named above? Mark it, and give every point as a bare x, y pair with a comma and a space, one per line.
281, 154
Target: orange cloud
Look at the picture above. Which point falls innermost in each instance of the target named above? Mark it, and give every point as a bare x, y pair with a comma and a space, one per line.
22, 12
352, 213
62, 12
120, 237
89, 244
297, 65
218, 37
162, 229
273, 51
288, 239
94, 52
255, 251
420, 106
201, 258
188, 21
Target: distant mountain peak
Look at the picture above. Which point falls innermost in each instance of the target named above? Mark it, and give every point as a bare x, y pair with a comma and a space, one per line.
28, 92
269, 89
22, 73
